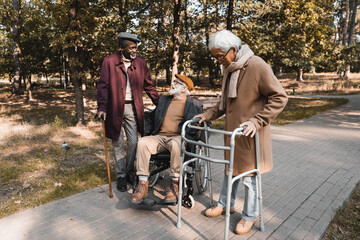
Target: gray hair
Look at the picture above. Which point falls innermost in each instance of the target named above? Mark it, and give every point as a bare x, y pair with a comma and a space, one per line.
224, 40
123, 43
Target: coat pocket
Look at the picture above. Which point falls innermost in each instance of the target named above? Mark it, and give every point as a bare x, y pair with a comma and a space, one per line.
243, 142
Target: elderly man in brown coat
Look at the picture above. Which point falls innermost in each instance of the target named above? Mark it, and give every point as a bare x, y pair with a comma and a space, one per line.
253, 97
123, 78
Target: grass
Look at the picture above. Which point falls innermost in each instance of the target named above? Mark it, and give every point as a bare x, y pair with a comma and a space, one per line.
345, 224
34, 168
297, 109
322, 83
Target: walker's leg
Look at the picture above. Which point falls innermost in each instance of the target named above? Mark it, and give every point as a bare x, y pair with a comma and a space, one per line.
262, 228
228, 198
210, 184
179, 203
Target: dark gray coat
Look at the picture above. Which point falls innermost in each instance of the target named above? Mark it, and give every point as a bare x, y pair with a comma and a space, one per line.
155, 119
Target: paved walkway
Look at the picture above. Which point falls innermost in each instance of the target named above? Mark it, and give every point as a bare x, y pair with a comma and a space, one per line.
316, 168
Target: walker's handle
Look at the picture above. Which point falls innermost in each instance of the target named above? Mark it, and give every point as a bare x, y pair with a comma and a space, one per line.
244, 127
195, 120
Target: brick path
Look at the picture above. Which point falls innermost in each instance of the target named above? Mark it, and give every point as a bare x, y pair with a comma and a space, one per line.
316, 169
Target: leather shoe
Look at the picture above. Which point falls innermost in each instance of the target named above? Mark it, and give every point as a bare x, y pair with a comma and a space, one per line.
121, 184
140, 192
172, 193
217, 211
243, 226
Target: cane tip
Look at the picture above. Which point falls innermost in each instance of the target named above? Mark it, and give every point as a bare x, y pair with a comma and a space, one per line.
110, 195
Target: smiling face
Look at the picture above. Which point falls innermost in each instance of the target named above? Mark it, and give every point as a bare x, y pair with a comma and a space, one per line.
224, 58
130, 50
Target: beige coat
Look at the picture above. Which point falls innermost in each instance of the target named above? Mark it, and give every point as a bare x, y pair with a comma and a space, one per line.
260, 98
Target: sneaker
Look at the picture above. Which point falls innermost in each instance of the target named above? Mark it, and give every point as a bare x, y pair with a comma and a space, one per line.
243, 226
217, 211
121, 184
172, 193
140, 192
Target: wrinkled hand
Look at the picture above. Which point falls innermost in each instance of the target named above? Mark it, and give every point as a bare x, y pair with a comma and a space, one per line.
251, 129
101, 115
201, 116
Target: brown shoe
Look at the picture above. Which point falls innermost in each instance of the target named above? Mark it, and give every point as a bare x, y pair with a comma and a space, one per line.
172, 193
217, 211
243, 226
140, 192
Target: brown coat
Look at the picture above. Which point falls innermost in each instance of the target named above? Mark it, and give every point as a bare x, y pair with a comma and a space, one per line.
111, 92
260, 98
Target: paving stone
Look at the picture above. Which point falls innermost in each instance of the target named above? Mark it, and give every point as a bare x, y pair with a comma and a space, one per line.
312, 177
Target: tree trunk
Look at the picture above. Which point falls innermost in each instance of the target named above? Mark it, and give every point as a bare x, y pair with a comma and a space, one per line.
74, 59
176, 34
352, 23
60, 77
210, 64
186, 19
229, 16
168, 76
346, 23
350, 31
14, 28
28, 86
300, 75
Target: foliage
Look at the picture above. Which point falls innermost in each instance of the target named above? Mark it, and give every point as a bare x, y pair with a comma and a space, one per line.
288, 34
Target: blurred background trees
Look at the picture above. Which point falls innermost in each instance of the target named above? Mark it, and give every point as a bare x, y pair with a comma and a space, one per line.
68, 39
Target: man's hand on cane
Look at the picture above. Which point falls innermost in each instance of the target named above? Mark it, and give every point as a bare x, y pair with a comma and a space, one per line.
101, 115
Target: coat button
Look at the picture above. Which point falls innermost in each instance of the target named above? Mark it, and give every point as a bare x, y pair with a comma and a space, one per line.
122, 88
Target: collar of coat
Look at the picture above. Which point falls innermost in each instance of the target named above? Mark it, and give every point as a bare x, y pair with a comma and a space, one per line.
119, 61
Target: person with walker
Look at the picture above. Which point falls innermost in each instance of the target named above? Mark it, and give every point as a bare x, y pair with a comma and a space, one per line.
251, 96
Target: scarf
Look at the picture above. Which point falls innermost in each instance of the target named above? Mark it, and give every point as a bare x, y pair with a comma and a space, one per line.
234, 70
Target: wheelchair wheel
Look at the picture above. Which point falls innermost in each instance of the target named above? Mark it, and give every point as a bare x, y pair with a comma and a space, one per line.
188, 201
201, 173
153, 179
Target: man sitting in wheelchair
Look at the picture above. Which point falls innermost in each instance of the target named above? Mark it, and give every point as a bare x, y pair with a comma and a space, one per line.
167, 120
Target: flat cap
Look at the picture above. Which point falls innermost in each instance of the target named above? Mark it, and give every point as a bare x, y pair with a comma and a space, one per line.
128, 36
189, 83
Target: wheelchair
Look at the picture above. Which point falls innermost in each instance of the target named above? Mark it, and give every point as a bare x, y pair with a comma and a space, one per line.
197, 170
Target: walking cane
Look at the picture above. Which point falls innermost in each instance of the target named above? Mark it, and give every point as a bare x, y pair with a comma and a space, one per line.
107, 159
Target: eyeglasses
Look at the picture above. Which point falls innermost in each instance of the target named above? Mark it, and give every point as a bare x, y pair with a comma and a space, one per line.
175, 81
221, 58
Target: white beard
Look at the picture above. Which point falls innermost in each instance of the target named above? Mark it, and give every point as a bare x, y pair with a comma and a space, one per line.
175, 91
133, 56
